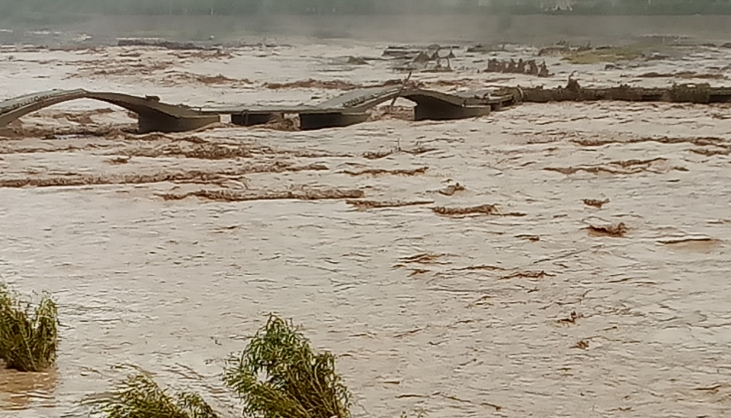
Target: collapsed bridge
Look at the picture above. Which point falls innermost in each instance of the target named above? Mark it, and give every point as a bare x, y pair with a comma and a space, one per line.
352, 107
344, 110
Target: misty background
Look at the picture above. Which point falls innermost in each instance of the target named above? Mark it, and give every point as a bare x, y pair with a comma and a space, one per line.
534, 21
44, 10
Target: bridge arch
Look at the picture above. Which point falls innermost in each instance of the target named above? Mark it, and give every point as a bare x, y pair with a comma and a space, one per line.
430, 105
152, 115
351, 107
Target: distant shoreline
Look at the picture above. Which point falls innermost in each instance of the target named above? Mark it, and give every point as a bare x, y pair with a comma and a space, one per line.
540, 29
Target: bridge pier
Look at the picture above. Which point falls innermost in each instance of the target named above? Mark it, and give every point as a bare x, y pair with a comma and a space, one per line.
160, 122
310, 121
428, 108
253, 119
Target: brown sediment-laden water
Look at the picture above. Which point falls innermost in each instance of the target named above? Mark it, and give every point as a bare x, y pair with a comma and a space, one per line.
553, 259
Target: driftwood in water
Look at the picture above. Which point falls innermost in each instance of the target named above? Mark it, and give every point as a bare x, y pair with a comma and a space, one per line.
682, 93
158, 43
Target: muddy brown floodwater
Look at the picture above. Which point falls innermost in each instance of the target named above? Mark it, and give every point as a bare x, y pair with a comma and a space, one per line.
562, 260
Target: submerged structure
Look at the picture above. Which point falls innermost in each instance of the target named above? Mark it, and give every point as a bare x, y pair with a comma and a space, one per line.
347, 109
352, 107
152, 115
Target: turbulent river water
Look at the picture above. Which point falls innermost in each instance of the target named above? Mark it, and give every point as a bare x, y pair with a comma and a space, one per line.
526, 311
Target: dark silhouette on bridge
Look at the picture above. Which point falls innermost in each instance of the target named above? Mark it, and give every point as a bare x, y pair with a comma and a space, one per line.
346, 109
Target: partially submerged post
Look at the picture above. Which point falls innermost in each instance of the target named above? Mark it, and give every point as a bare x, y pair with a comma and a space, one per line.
400, 91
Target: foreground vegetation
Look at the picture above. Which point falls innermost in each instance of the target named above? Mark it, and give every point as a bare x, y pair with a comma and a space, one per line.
296, 383
140, 397
277, 375
28, 337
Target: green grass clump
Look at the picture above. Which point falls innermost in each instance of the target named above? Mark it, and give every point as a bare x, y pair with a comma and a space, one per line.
140, 397
596, 56
278, 375
28, 337
629, 52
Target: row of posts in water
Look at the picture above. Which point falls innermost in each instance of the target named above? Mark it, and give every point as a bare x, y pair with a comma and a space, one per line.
529, 67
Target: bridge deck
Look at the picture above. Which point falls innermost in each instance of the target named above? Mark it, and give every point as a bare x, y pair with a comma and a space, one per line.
14, 103
262, 110
359, 101
343, 110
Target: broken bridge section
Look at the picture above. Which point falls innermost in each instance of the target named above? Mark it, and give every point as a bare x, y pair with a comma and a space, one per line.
152, 115
347, 109
352, 107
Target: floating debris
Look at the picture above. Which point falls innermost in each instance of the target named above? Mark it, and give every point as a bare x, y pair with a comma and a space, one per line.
573, 317
372, 204
582, 345
376, 155
618, 230
527, 275
159, 43
619, 167
422, 258
119, 160
357, 61
452, 189
474, 210
532, 238
596, 203
226, 195
481, 209
191, 176
380, 171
